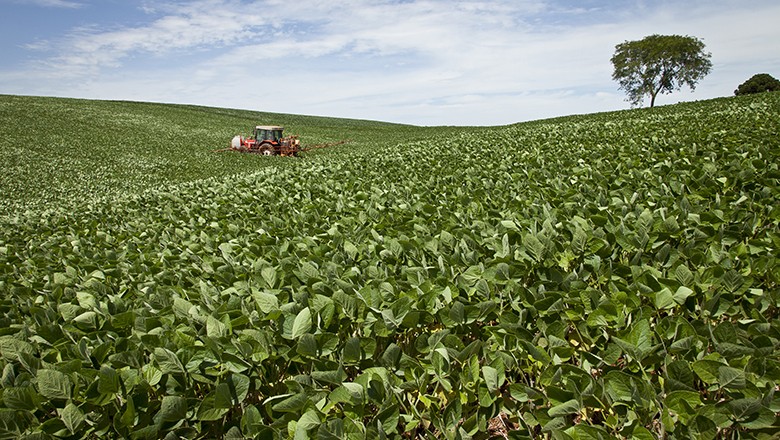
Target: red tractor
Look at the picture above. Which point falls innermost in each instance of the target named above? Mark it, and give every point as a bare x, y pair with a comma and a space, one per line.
268, 141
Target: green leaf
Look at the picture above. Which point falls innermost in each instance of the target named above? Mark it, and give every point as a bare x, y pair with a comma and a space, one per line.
744, 409
684, 275
72, 417
641, 433
353, 352
22, 398
704, 428
707, 370
54, 385
60, 278
664, 299
309, 271
440, 360
491, 378
683, 402
152, 375
227, 250
234, 434
731, 378
725, 332
457, 313
355, 390
639, 341
148, 433
266, 302
223, 398
215, 328
11, 347
534, 246
302, 323
351, 250
453, 415
763, 419
509, 224
391, 356
732, 281
208, 409
269, 276
681, 294
292, 403
87, 320
168, 361
172, 409
340, 395
564, 409
251, 421
181, 308
485, 397
585, 432
309, 420
307, 345
619, 386
127, 419
388, 418
239, 387
109, 381
334, 377
679, 376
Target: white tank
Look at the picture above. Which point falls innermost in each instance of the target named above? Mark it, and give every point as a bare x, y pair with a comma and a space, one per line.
236, 143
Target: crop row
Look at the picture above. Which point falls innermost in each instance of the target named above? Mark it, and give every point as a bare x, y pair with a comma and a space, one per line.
57, 152
600, 276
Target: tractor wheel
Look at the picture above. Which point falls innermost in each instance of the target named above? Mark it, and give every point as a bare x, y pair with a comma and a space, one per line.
266, 150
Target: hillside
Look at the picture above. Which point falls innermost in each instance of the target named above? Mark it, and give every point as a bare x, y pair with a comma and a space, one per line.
596, 276
56, 151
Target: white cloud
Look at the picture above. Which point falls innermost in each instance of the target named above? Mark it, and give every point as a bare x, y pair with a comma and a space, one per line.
52, 3
421, 61
309, 28
190, 28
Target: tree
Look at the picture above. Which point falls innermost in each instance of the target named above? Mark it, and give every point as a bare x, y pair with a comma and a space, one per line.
762, 82
659, 64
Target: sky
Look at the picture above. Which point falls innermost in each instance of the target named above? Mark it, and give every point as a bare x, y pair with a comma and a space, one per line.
421, 62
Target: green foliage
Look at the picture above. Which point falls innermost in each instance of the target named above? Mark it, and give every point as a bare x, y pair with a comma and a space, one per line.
659, 64
601, 276
59, 152
758, 83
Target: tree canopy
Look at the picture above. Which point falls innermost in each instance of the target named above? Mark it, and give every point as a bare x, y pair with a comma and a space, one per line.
659, 64
758, 83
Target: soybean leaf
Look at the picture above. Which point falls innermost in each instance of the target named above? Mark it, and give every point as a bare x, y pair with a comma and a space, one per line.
269, 276
731, 378
302, 323
53, 384
168, 361
72, 417
172, 409
569, 407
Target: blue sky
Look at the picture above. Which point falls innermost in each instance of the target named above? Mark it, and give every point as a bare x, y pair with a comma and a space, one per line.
424, 62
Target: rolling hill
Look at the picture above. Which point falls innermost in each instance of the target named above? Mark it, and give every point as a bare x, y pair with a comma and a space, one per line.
594, 276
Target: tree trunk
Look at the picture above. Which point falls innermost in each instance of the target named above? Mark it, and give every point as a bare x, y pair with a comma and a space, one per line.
654, 93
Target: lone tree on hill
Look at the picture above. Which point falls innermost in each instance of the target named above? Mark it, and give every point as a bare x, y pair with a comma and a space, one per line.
762, 82
659, 64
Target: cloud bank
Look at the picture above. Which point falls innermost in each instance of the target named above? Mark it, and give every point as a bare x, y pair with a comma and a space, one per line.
427, 62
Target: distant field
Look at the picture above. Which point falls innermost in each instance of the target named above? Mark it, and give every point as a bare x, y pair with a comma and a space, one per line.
60, 151
598, 276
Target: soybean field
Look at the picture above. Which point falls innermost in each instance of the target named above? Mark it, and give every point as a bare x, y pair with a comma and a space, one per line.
600, 276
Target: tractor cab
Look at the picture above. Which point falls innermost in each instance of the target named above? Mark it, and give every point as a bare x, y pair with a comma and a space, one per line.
268, 141
268, 133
